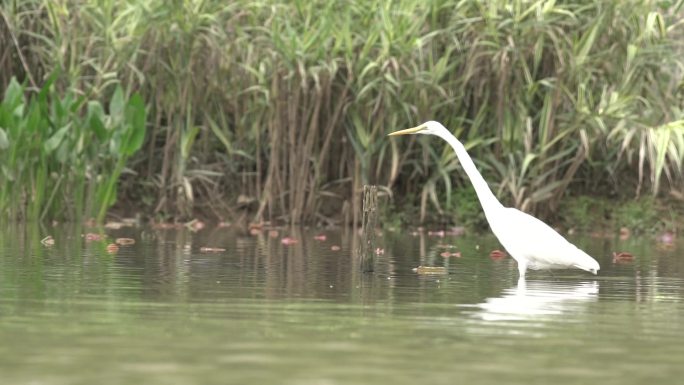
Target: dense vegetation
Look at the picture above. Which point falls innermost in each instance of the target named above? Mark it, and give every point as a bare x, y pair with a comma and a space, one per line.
279, 109
57, 162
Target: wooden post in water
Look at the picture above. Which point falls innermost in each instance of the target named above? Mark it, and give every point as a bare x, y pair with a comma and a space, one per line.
369, 223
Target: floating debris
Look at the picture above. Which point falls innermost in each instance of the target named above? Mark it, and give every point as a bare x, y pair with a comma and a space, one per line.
320, 237
456, 231
624, 233
254, 231
195, 225
130, 222
124, 241
379, 251
244, 200
666, 241
427, 270
447, 254
112, 248
439, 233
90, 237
497, 254
288, 241
124, 222
667, 238
257, 226
622, 256
165, 226
602, 234
335, 248
48, 241
212, 249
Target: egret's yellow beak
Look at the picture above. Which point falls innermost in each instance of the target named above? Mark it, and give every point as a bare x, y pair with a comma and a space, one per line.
408, 131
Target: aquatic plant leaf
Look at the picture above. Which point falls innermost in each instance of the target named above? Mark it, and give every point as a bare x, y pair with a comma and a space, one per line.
136, 117
116, 104
115, 143
55, 140
95, 118
14, 94
4, 141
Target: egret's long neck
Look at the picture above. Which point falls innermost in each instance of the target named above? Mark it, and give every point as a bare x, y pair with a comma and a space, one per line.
484, 194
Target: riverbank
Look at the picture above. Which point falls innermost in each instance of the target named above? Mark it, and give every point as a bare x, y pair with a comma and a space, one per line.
279, 110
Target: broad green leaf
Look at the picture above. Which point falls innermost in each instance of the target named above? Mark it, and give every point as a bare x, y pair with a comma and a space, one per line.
36, 122
44, 93
55, 140
136, 119
4, 141
116, 104
115, 143
136, 111
95, 119
14, 94
59, 112
361, 133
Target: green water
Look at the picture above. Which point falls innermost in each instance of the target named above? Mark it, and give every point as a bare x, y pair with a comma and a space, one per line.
163, 312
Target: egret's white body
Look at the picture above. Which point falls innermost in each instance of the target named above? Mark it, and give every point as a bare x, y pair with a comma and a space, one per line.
531, 242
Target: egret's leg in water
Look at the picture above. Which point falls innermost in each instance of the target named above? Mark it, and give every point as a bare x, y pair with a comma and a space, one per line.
522, 267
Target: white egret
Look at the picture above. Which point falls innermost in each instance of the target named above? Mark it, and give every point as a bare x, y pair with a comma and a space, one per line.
531, 242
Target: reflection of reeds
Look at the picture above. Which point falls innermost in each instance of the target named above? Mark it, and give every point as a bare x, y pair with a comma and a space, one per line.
287, 102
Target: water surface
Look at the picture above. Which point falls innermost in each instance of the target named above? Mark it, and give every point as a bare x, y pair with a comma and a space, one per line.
162, 311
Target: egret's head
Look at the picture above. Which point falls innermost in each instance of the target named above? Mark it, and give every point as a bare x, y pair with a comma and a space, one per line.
428, 128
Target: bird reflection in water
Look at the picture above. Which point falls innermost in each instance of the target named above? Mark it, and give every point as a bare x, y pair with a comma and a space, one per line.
538, 300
